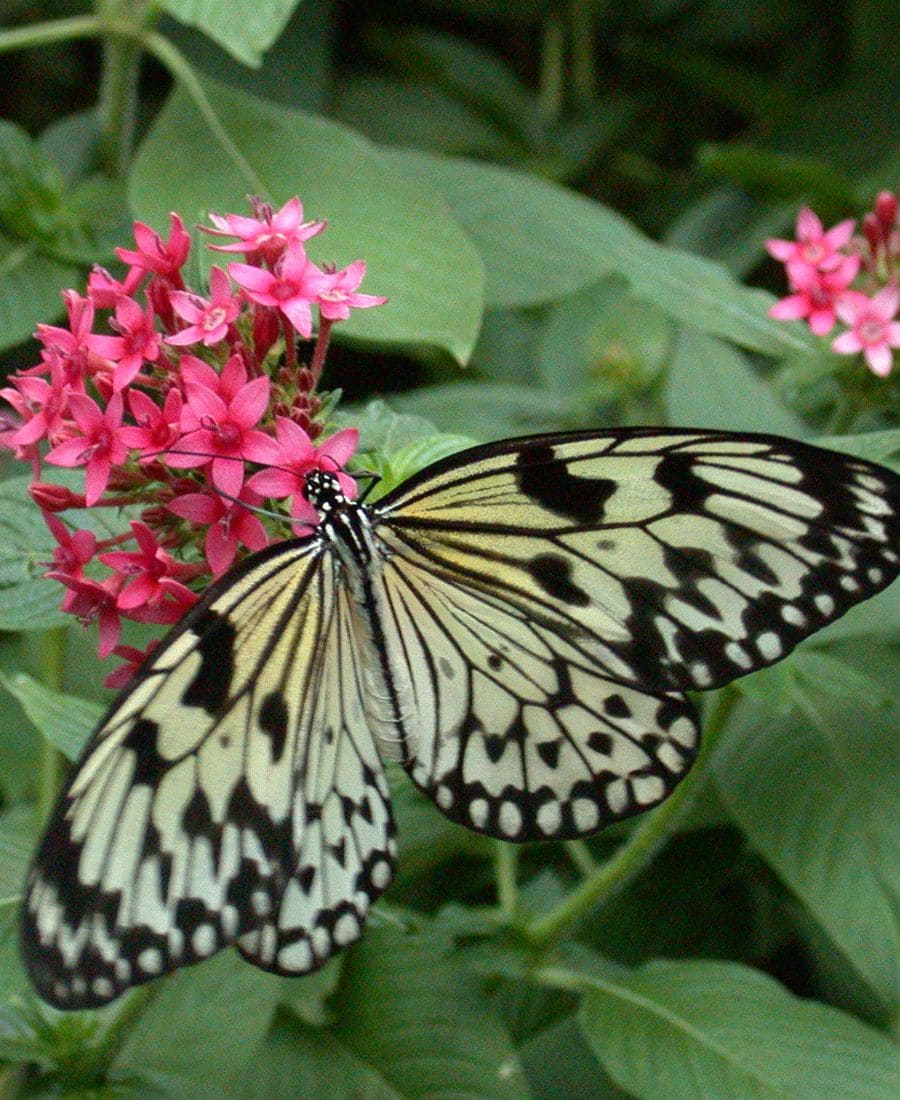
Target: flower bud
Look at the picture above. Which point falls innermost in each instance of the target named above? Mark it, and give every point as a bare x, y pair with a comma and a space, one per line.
54, 498
886, 211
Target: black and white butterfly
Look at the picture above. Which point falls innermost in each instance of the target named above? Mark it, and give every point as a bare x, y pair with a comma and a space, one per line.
516, 625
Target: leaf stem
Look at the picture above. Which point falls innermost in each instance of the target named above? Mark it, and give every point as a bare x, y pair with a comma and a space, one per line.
53, 30
644, 842
52, 674
178, 65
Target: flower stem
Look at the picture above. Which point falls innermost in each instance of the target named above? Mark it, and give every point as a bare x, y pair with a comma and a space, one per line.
581, 38
117, 104
550, 95
506, 859
318, 357
51, 673
644, 842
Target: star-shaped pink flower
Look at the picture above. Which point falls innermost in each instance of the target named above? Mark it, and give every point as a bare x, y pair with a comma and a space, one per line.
339, 296
154, 255
873, 330
208, 321
229, 524
268, 235
227, 436
814, 249
816, 295
291, 288
99, 447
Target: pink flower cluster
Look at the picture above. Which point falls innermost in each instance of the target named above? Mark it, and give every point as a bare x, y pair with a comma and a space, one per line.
822, 267
194, 408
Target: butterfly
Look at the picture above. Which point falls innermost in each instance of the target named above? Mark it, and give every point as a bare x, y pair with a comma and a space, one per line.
516, 625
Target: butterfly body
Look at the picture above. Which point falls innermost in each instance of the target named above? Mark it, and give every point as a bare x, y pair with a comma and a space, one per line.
388, 699
517, 625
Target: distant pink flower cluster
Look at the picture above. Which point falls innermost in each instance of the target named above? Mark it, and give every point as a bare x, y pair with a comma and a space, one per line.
192, 409
821, 268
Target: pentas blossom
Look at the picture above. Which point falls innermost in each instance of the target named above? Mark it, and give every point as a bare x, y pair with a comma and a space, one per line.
834, 276
197, 413
873, 330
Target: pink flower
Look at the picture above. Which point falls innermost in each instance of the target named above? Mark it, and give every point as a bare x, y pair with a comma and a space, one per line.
45, 405
100, 445
230, 523
297, 456
150, 573
133, 659
78, 350
227, 435
157, 428
873, 330
814, 249
104, 291
817, 295
138, 343
92, 601
227, 384
269, 235
336, 301
207, 321
74, 548
153, 255
291, 288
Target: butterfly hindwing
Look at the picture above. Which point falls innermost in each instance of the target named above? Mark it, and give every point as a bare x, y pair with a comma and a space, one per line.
678, 559
184, 826
520, 736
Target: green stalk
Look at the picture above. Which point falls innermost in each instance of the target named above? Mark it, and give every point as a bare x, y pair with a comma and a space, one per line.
582, 15
52, 674
642, 845
506, 859
54, 30
117, 104
550, 94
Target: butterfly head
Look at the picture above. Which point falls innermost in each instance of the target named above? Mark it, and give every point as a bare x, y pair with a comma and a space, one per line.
323, 491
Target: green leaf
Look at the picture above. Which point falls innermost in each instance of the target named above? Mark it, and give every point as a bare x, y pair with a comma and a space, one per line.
487, 410
778, 175
682, 1030
245, 28
529, 233
28, 601
200, 1032
64, 720
874, 446
30, 285
16, 843
711, 384
415, 252
540, 242
296, 1059
381, 428
819, 802
407, 1009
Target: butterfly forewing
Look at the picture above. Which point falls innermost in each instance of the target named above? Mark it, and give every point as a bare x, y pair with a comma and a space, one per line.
675, 559
208, 791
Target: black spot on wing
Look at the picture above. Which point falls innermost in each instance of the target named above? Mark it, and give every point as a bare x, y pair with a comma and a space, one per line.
215, 644
554, 574
273, 720
149, 766
547, 480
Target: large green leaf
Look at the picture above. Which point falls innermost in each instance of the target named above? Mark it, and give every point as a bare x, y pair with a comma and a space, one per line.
721, 1031
817, 796
710, 384
416, 253
197, 1036
245, 28
406, 1009
30, 285
66, 722
540, 242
